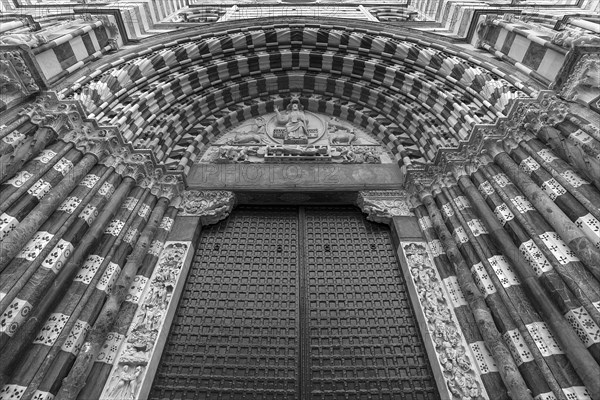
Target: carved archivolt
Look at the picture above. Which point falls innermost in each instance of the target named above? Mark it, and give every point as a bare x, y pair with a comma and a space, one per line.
383, 205
211, 205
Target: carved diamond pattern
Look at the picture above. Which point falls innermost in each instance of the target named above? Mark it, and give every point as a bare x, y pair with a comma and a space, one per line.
590, 227
90, 181
436, 247
461, 202
484, 359
115, 227
584, 326
63, 166
144, 211
459, 235
88, 214
76, 337
447, 210
39, 189
503, 271
581, 136
501, 179
529, 165
166, 224
51, 329
12, 392
545, 396
89, 269
482, 279
130, 203
155, 248
477, 227
70, 204
522, 204
503, 214
577, 393
544, 340
35, 246
425, 223
106, 189
535, 257
454, 292
7, 224
58, 256
553, 189
131, 235
111, 347
20, 179
13, 138
137, 288
574, 179
40, 395
517, 346
12, 317
45, 156
558, 248
108, 278
486, 188
547, 155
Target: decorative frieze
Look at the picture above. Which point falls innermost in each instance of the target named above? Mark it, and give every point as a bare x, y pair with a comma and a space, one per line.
16, 81
210, 205
383, 205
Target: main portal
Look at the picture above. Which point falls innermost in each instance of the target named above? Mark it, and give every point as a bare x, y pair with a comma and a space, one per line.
294, 303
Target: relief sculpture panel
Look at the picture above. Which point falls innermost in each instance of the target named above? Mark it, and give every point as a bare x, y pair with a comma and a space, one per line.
295, 135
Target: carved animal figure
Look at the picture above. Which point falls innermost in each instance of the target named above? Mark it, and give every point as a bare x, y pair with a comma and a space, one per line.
342, 137
246, 138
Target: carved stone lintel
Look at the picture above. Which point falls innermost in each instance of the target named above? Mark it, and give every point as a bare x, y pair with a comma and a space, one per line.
210, 205
382, 205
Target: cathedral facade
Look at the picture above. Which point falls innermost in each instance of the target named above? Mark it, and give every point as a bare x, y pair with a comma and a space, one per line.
300, 199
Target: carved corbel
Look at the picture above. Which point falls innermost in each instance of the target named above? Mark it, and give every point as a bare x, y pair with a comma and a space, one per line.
210, 205
382, 205
583, 82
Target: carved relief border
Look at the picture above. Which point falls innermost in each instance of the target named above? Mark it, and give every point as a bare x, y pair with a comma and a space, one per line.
135, 366
449, 354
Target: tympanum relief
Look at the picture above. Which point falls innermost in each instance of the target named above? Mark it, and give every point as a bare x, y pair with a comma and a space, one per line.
295, 135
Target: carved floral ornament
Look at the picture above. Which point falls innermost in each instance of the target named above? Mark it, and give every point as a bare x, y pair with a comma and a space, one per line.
210, 205
16, 81
383, 205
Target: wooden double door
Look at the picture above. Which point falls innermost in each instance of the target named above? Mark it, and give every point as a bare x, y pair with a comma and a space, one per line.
294, 303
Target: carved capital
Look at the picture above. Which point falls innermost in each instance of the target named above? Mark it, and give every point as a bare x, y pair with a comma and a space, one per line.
493, 147
91, 140
383, 205
210, 205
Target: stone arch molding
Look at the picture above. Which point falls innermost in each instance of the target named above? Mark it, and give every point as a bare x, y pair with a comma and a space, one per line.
416, 95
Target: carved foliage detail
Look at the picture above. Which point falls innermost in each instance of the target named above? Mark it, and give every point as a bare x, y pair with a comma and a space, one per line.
126, 377
211, 205
583, 84
450, 346
382, 205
